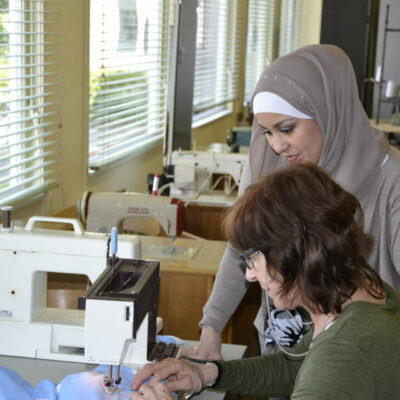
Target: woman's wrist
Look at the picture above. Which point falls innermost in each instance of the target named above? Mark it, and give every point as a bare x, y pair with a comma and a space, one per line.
210, 344
210, 372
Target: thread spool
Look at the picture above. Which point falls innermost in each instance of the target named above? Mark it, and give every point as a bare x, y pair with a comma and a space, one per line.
7, 223
391, 89
378, 73
156, 181
114, 241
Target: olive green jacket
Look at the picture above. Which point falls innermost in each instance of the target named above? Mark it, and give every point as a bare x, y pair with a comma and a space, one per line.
358, 357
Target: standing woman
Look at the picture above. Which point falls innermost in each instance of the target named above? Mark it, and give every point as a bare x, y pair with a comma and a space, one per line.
307, 108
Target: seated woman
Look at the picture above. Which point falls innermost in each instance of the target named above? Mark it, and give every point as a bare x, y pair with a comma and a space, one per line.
302, 240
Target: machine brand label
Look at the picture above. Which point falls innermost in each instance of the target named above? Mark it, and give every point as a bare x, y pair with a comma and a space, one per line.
6, 314
138, 210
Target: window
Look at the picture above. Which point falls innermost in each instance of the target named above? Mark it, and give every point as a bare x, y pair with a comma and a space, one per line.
129, 63
289, 37
218, 53
28, 113
273, 30
262, 41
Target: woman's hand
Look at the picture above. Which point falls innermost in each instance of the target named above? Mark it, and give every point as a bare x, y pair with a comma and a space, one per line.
180, 375
156, 391
209, 347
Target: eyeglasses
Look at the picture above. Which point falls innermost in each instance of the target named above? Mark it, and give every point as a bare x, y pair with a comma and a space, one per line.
248, 257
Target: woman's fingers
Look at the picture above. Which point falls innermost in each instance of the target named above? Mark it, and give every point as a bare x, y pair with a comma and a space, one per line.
182, 383
159, 371
180, 375
153, 391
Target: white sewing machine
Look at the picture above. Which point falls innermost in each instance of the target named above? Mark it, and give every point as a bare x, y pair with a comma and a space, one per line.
121, 314
195, 171
102, 211
28, 328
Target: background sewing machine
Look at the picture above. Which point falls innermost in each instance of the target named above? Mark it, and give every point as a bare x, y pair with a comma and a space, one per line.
239, 139
28, 328
102, 211
198, 175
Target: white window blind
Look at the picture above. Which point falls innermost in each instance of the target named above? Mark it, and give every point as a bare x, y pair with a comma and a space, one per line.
289, 37
262, 41
28, 113
129, 61
218, 52
273, 29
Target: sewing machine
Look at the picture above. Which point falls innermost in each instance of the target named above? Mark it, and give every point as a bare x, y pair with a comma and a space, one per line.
28, 328
239, 139
102, 211
194, 172
121, 314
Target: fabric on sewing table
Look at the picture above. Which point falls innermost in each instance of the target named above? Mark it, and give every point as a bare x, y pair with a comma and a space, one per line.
85, 385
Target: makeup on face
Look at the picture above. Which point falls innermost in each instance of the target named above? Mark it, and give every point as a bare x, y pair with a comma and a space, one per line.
295, 139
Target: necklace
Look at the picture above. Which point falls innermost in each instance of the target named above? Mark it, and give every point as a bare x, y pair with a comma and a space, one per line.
327, 325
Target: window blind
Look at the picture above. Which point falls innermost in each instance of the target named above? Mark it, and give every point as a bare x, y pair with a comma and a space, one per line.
262, 41
28, 111
129, 62
289, 38
218, 53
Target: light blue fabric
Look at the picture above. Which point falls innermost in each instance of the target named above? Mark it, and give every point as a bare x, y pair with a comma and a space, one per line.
82, 386
85, 385
89, 385
14, 387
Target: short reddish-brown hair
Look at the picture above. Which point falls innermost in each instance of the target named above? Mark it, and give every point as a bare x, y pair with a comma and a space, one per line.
309, 229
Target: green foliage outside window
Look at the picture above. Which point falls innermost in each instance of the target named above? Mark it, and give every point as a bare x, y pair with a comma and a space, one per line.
117, 94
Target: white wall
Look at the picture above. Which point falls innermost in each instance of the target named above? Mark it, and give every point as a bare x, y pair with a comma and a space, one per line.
310, 25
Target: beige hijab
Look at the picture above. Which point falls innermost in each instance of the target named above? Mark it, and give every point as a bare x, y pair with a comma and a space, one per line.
319, 80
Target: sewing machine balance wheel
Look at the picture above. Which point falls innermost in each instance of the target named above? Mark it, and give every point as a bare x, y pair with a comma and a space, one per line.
82, 206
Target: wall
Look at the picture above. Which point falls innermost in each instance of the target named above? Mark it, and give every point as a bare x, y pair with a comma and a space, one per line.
310, 23
213, 132
131, 174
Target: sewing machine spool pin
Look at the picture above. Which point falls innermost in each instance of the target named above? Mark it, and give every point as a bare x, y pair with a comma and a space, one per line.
7, 223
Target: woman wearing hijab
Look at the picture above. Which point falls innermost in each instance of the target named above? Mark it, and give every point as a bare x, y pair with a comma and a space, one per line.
307, 108
315, 259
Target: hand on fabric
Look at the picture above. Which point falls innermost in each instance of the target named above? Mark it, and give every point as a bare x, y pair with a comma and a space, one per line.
154, 391
209, 347
181, 375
